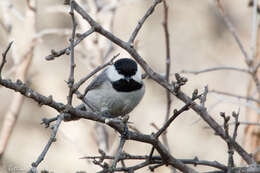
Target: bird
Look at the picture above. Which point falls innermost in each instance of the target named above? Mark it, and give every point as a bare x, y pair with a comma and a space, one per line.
117, 90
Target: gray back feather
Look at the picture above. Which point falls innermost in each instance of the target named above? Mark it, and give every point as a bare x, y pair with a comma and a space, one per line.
98, 81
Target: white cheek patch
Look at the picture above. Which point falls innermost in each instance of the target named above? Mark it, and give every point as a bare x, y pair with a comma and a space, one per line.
113, 75
138, 76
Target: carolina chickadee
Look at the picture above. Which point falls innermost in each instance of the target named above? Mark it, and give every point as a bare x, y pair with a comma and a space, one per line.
117, 90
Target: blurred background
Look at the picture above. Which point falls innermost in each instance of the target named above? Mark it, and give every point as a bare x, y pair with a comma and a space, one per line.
199, 39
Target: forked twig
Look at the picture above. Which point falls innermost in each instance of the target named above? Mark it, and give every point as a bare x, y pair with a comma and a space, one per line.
48, 145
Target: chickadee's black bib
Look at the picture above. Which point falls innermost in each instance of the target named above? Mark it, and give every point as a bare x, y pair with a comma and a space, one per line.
123, 85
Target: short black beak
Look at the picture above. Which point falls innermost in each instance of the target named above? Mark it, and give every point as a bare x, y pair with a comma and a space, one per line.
127, 78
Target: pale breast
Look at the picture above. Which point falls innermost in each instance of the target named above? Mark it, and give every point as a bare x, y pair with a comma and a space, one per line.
105, 98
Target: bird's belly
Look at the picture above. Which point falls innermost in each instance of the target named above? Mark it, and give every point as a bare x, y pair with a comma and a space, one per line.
116, 103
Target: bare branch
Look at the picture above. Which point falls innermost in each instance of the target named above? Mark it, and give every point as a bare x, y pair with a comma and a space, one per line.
46, 148
119, 151
234, 95
160, 80
4, 57
72, 112
216, 127
157, 159
30, 6
168, 67
56, 31
55, 54
237, 123
72, 63
173, 117
17, 101
229, 144
256, 67
254, 32
68, 112
203, 97
233, 31
47, 122
196, 72
141, 22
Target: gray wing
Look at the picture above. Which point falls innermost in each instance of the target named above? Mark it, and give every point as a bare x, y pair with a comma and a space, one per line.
96, 82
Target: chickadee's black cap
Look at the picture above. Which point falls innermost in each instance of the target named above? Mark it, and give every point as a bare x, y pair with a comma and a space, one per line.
126, 66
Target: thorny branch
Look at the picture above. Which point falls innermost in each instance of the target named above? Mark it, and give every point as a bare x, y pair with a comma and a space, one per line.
158, 160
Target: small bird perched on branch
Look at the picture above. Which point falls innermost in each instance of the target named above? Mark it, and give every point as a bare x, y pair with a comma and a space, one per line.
117, 90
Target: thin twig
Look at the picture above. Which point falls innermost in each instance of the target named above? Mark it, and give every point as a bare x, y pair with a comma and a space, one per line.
43, 100
21, 71
112, 21
237, 123
131, 169
47, 146
235, 95
47, 122
257, 82
56, 31
254, 30
14, 109
119, 151
241, 123
173, 117
160, 80
152, 168
4, 57
248, 60
151, 153
229, 144
196, 72
256, 67
233, 31
167, 69
54, 54
158, 159
203, 97
97, 69
141, 22
165, 155
72, 61
256, 151
30, 6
